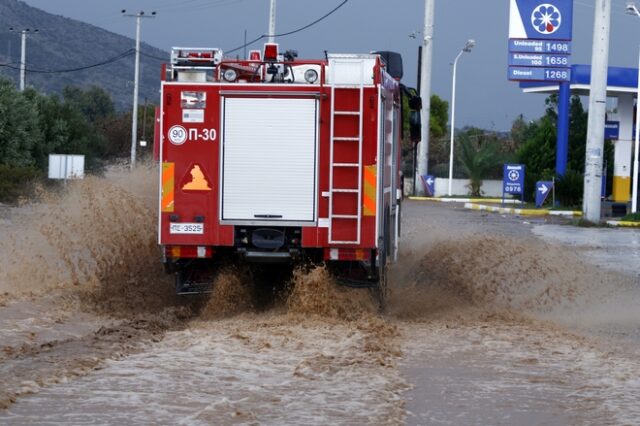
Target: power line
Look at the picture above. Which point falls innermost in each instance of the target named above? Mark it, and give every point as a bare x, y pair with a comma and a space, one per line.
179, 7
130, 52
86, 67
157, 58
325, 16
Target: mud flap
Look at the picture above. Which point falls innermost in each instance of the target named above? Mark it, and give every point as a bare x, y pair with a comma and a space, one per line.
381, 287
354, 274
192, 279
364, 275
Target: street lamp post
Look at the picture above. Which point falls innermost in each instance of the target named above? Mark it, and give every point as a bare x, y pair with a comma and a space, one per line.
134, 124
633, 10
467, 48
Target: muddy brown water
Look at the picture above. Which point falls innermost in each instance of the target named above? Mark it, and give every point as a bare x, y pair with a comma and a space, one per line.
490, 320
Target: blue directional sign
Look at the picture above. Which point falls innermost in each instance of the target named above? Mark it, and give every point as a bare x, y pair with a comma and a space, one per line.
541, 19
513, 179
543, 189
429, 183
539, 74
539, 60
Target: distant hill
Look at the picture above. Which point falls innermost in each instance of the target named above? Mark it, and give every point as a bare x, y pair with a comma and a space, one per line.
64, 43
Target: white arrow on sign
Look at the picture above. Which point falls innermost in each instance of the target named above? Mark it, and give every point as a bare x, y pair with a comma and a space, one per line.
430, 181
543, 189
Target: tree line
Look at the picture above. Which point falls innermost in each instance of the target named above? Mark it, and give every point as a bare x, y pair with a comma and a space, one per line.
84, 121
80, 121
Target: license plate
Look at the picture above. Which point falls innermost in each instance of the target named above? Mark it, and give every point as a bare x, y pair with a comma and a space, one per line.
186, 228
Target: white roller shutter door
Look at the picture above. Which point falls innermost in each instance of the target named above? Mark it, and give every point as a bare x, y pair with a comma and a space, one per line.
269, 159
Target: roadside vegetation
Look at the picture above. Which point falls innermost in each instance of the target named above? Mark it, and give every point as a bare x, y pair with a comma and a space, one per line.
82, 121
632, 217
480, 153
536, 147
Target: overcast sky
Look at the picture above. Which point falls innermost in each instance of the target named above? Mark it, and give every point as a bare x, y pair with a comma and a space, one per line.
485, 97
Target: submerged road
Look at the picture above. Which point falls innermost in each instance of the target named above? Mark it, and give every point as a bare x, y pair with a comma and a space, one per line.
491, 320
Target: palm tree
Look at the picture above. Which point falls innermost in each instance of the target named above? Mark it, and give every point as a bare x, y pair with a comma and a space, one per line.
479, 155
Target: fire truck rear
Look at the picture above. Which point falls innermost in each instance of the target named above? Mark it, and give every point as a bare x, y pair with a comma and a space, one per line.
277, 159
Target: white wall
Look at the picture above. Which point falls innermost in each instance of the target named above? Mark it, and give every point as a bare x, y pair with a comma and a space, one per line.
490, 188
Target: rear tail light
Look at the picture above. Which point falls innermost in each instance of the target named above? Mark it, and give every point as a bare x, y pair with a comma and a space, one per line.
189, 252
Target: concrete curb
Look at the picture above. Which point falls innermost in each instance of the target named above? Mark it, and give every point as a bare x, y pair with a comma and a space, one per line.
623, 224
521, 212
465, 200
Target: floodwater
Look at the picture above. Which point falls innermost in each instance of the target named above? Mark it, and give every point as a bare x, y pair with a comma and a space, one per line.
522, 326
615, 249
491, 320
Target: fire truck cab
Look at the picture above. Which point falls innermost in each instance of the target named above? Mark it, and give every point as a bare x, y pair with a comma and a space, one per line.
278, 159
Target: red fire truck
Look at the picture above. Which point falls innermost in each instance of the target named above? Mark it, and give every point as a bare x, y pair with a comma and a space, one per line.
277, 159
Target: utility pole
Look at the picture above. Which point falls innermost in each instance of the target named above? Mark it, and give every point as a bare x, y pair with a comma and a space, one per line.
425, 93
244, 47
591, 205
636, 148
23, 55
136, 79
272, 22
23, 60
633, 10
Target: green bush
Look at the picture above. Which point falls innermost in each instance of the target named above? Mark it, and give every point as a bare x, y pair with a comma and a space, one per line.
16, 181
569, 188
632, 217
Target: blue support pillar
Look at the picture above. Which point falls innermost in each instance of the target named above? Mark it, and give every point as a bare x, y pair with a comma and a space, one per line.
562, 142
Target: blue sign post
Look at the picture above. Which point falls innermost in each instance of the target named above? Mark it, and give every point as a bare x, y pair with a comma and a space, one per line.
543, 188
540, 33
612, 130
513, 180
541, 19
429, 183
540, 37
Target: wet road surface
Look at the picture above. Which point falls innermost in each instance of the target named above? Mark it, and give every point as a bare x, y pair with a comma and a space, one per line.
491, 320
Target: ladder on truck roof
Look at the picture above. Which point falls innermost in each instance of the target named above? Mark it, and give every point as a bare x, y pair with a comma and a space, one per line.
347, 78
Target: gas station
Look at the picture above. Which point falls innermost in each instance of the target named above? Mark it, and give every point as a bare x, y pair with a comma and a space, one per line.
622, 86
540, 49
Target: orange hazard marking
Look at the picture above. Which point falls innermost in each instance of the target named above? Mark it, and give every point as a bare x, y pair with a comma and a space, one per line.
370, 177
369, 207
168, 177
198, 181
369, 194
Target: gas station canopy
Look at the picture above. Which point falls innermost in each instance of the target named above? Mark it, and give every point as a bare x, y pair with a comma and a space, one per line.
622, 83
